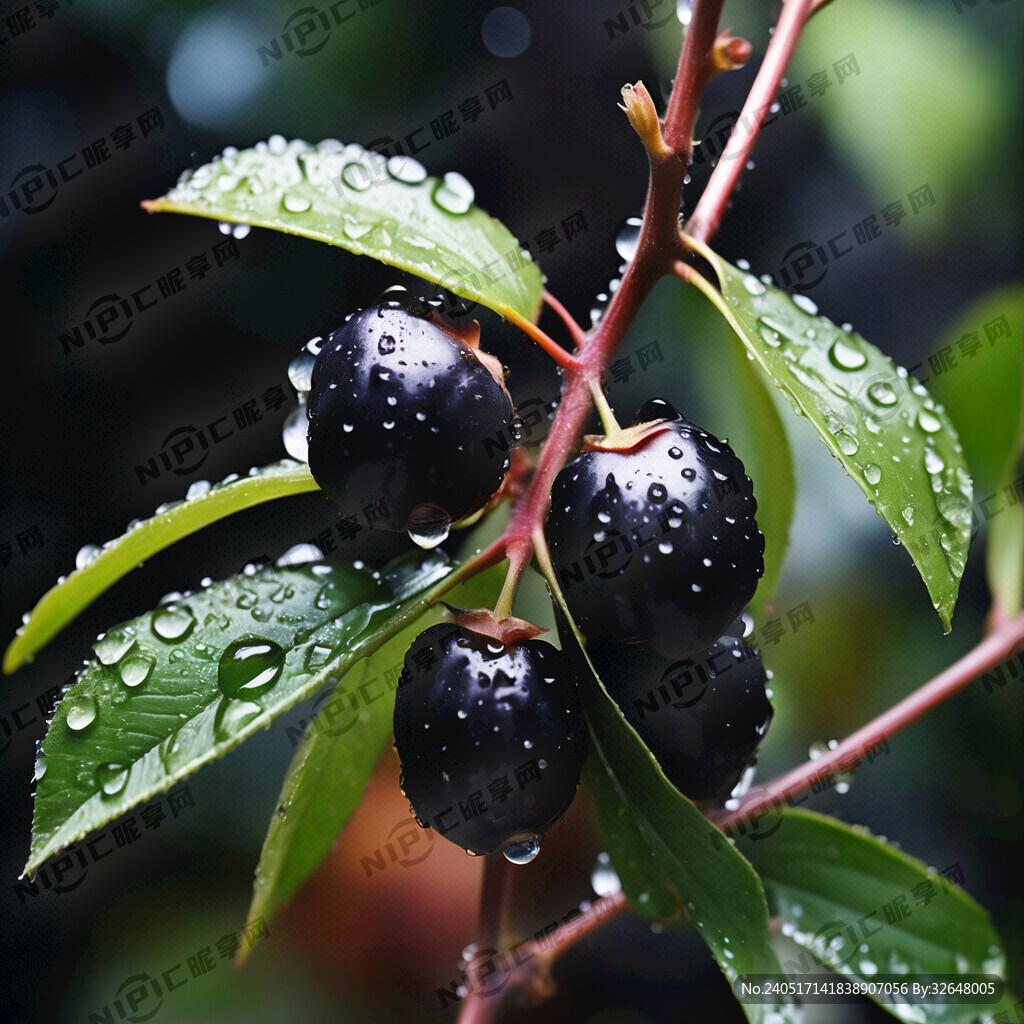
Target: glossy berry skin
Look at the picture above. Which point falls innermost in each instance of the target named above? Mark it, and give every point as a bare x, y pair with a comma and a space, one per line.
701, 717
491, 738
656, 542
407, 425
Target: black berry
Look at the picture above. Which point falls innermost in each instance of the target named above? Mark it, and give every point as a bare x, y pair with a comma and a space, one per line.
491, 738
701, 717
653, 535
410, 425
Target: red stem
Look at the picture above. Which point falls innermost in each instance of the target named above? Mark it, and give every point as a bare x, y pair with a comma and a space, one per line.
711, 206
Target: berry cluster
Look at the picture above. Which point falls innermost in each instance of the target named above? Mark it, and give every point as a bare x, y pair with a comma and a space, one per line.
653, 537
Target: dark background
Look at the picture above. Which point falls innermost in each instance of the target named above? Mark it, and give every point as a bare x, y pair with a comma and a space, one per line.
935, 102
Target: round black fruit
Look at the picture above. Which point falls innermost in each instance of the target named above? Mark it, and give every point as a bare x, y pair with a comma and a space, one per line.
491, 738
653, 536
701, 717
410, 425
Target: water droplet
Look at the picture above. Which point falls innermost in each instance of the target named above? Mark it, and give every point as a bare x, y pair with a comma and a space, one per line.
112, 646
689, 473
296, 204
87, 554
657, 493
806, 304
233, 715
908, 515
848, 444
872, 473
684, 11
928, 421
300, 554
522, 852
300, 372
882, 393
40, 767
293, 434
665, 547
845, 357
933, 461
406, 169
628, 237
429, 530
603, 879
81, 712
112, 778
172, 623
752, 285
249, 666
454, 194
135, 669
357, 176
197, 489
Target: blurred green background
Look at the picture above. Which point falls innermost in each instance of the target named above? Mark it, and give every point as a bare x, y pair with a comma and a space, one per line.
934, 104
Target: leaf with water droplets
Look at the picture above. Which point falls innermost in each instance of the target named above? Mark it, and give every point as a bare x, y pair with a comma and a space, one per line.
864, 908
890, 436
342, 741
674, 864
362, 201
198, 675
59, 605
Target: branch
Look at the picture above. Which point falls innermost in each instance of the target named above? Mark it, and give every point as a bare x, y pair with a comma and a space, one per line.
709, 210
995, 648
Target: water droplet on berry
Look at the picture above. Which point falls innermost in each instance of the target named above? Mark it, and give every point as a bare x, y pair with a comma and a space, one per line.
657, 492
172, 623
665, 547
689, 473
300, 372
462, 713
429, 527
293, 434
112, 778
249, 666
81, 712
844, 356
522, 852
628, 237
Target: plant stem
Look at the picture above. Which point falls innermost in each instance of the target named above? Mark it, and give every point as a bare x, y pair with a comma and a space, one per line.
553, 349
711, 206
996, 647
578, 335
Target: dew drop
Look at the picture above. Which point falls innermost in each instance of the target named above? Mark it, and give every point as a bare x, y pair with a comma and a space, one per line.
882, 393
848, 444
40, 767
657, 493
752, 285
300, 372
293, 434
462, 713
232, 715
665, 547
249, 666
627, 238
296, 204
87, 554
357, 176
406, 170
299, 554
522, 852
197, 489
908, 515
429, 528
806, 304
112, 646
872, 473
844, 356
933, 461
604, 880
454, 194
689, 473
135, 669
112, 778
81, 712
172, 623
675, 453
928, 421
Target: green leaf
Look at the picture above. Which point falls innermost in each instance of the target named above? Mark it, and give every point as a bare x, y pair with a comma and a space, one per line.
767, 459
349, 197
180, 686
717, 890
61, 603
896, 443
333, 764
832, 885
1004, 559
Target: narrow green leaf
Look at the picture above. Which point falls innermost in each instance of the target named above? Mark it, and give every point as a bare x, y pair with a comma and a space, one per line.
896, 443
717, 890
61, 603
1004, 558
362, 201
863, 908
333, 764
767, 460
180, 686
